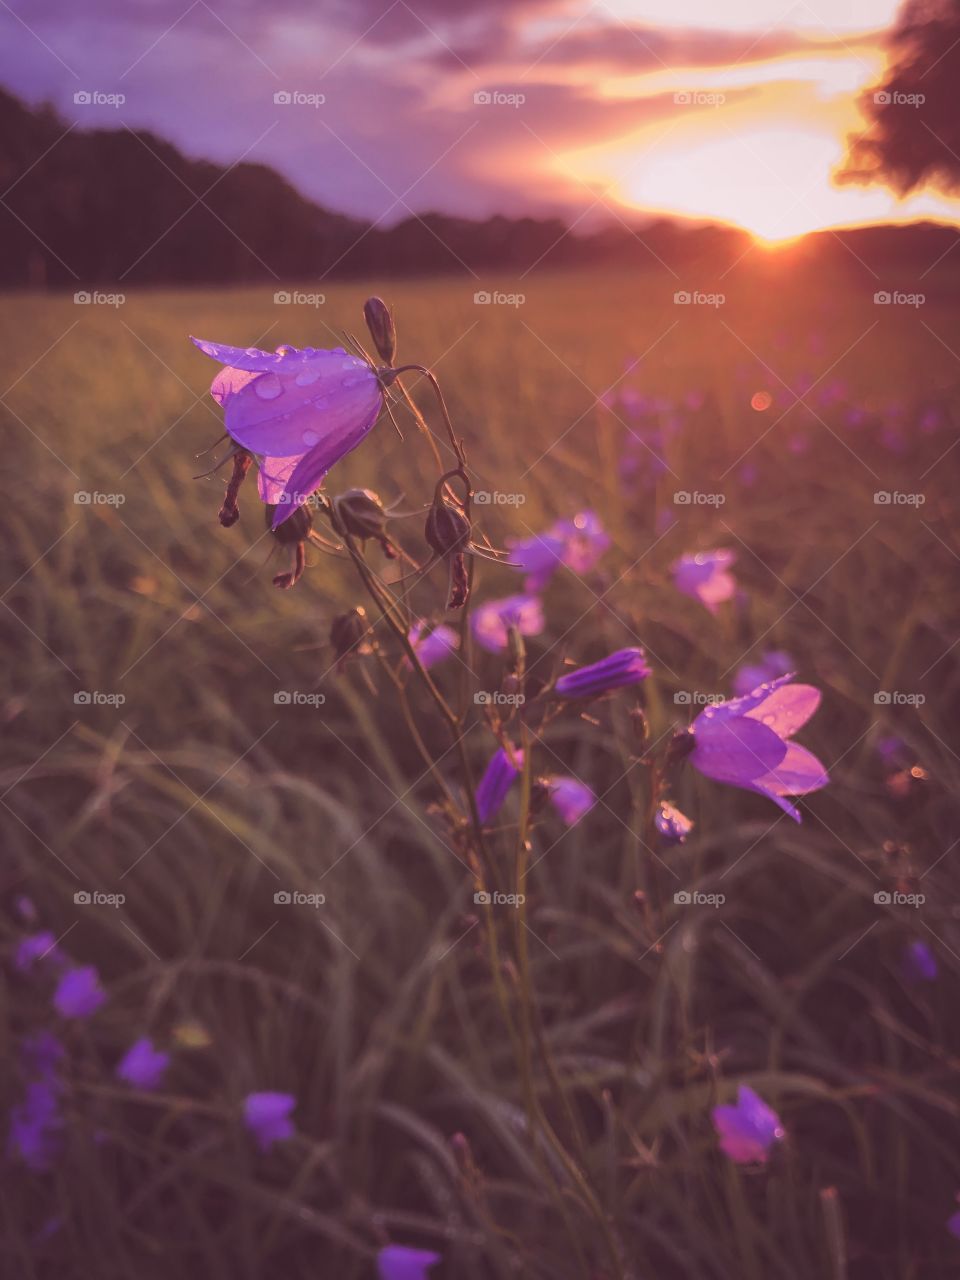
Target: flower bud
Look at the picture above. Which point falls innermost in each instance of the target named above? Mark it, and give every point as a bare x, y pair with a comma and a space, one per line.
361, 513
382, 329
447, 529
293, 530
347, 632
680, 746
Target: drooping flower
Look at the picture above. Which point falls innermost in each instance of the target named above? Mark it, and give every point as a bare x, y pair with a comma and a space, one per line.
79, 993
492, 620
499, 776
142, 1065
433, 646
673, 826
705, 575
298, 411
36, 1123
33, 949
398, 1262
747, 1130
769, 665
617, 671
571, 798
746, 742
919, 962
267, 1116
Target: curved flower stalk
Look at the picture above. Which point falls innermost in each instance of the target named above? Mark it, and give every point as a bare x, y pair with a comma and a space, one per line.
747, 742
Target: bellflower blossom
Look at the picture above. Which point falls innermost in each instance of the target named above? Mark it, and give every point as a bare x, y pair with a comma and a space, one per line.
499, 776
267, 1116
36, 1123
34, 949
672, 825
79, 993
625, 667
919, 962
746, 742
492, 620
747, 1130
577, 543
142, 1065
705, 576
953, 1223
398, 1262
772, 663
433, 646
299, 411
571, 798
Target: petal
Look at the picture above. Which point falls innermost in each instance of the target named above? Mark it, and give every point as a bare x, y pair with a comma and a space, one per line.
253, 360
737, 751
274, 477
787, 708
797, 774
741, 706
228, 382
340, 438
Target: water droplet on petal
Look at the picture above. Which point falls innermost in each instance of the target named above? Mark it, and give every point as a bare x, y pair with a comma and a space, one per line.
310, 438
268, 387
306, 376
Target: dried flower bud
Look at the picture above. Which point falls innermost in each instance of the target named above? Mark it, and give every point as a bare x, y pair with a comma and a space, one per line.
347, 633
680, 746
447, 529
382, 329
362, 515
291, 534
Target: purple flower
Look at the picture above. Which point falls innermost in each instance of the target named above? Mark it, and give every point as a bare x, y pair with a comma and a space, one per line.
773, 663
36, 1123
34, 948
433, 646
673, 826
143, 1066
79, 993
953, 1224
919, 962
571, 798
539, 556
492, 620
578, 543
499, 776
300, 411
747, 1130
746, 742
704, 575
267, 1116
625, 667
397, 1262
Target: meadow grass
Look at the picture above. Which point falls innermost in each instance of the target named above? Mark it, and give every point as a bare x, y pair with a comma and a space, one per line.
200, 797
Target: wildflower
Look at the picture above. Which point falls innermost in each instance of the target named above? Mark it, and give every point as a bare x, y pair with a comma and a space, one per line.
953, 1223
578, 543
362, 515
673, 826
432, 646
772, 663
292, 535
493, 620
348, 634
499, 776
571, 798
382, 328
267, 1116
299, 411
143, 1066
33, 949
748, 1130
79, 993
919, 962
36, 1123
746, 742
704, 575
397, 1262
539, 556
625, 667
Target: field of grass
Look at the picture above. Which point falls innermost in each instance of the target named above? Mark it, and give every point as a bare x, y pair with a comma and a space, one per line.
199, 797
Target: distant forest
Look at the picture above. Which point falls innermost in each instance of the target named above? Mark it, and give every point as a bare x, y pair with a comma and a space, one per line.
108, 207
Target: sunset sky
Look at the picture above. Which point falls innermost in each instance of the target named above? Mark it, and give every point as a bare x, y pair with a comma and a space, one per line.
735, 112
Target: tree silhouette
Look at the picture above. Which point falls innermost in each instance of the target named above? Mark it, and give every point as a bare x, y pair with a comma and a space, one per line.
914, 126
